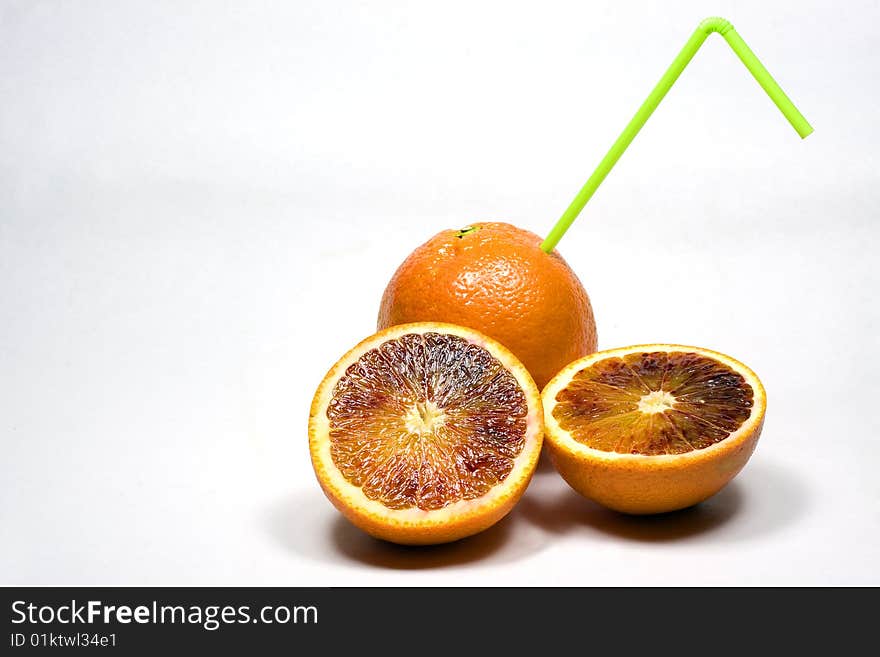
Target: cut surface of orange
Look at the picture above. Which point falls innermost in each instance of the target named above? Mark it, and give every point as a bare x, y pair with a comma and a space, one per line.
425, 433
652, 428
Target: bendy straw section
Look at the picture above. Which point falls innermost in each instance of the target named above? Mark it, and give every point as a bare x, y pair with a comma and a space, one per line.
704, 29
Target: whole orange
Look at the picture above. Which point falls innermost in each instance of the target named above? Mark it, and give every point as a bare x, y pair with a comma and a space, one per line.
494, 277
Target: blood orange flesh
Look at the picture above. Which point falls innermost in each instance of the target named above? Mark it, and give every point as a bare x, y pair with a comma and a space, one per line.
425, 420
654, 403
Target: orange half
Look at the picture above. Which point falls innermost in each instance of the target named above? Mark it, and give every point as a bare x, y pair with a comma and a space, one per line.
425, 433
652, 428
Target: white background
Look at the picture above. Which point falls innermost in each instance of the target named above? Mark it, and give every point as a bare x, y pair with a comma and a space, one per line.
201, 203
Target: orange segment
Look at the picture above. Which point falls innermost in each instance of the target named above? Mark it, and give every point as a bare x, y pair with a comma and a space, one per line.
652, 428
425, 433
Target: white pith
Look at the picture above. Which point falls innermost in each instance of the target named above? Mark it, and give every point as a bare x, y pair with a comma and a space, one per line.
656, 401
424, 418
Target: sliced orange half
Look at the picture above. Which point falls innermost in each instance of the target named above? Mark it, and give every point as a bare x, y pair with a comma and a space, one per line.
652, 428
426, 433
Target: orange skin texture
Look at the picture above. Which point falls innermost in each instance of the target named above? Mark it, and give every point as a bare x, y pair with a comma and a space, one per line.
497, 281
651, 487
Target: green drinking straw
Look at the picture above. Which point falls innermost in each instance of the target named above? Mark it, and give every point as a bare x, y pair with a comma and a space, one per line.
704, 29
